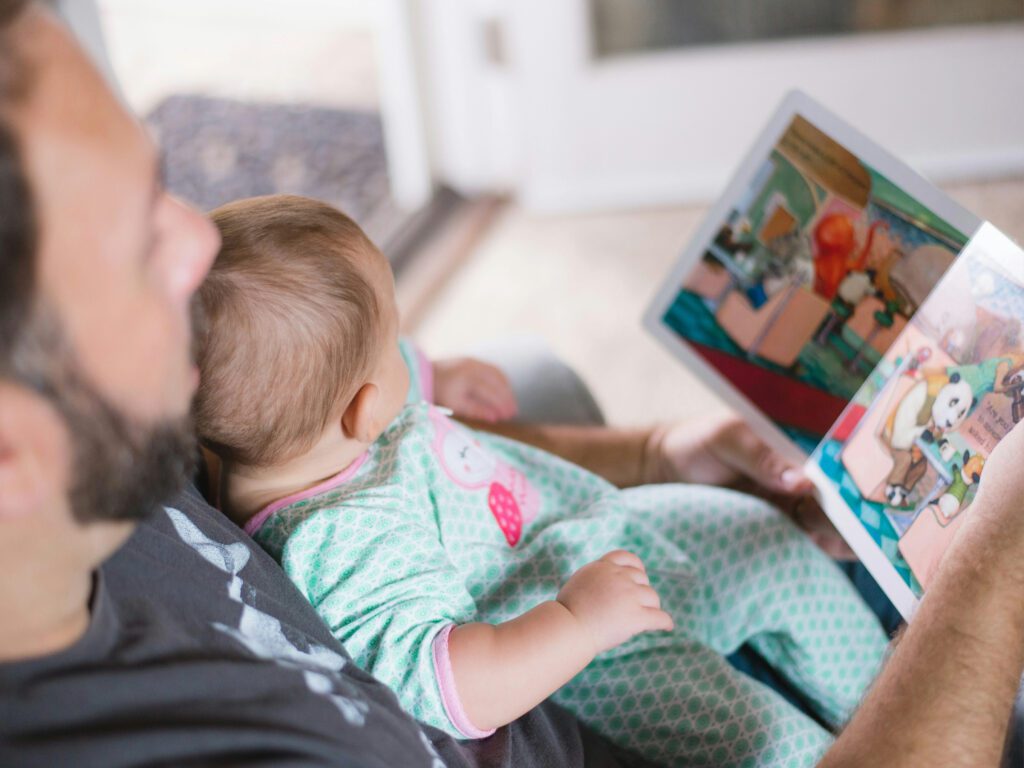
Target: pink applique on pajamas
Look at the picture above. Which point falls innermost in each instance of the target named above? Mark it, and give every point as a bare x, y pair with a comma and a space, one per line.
511, 498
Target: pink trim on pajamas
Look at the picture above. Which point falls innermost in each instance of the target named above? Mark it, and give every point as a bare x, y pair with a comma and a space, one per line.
262, 516
426, 374
446, 683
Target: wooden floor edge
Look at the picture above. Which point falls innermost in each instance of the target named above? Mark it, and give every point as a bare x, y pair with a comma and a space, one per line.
438, 260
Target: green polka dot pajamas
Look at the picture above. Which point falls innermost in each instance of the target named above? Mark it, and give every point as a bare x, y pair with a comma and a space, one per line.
437, 526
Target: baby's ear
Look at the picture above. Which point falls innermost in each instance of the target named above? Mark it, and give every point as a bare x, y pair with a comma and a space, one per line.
358, 422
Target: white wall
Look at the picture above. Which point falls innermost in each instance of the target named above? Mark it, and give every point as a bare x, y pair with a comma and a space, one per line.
570, 133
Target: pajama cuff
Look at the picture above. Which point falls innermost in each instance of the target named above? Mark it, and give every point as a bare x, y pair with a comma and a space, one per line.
446, 684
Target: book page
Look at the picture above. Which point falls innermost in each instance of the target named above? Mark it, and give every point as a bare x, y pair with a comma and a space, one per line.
807, 270
900, 467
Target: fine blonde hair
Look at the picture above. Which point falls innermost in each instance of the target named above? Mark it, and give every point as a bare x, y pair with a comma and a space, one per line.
292, 327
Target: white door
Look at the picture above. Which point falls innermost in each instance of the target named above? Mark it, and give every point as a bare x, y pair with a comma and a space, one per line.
525, 99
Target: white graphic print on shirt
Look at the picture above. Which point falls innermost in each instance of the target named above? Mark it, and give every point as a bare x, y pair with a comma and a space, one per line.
262, 633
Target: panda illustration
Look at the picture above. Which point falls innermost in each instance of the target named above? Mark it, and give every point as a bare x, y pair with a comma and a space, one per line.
938, 403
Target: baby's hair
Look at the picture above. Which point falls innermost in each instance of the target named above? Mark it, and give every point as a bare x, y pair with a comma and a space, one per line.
292, 327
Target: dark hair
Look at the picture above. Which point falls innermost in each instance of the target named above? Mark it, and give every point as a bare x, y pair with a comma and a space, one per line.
121, 468
17, 213
10, 10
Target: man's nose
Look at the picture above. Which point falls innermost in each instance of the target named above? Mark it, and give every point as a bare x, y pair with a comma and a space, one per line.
199, 247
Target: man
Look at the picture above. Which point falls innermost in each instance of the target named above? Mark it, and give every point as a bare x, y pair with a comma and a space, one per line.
134, 633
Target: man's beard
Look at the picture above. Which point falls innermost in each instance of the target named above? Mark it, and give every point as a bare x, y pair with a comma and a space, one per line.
122, 467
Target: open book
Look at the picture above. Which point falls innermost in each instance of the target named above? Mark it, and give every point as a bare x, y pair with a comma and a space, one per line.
865, 325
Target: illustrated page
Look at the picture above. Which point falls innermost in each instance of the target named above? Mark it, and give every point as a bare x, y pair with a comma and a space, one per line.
814, 271
907, 454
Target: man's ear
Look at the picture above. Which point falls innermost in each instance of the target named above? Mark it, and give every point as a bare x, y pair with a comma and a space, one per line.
359, 422
33, 451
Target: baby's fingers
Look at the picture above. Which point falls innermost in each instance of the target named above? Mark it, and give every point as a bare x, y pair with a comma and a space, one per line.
493, 386
639, 577
478, 408
656, 620
490, 402
624, 558
647, 597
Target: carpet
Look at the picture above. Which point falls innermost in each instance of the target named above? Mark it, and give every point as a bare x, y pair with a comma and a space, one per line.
217, 150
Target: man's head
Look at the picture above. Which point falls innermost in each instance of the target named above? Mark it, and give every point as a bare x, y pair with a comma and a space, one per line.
300, 317
98, 265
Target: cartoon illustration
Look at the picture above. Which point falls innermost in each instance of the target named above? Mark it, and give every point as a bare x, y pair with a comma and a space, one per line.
910, 449
951, 502
466, 463
1012, 385
937, 404
814, 273
834, 258
925, 541
510, 497
789, 262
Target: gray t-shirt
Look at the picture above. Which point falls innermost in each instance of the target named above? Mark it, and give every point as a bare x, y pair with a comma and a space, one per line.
201, 652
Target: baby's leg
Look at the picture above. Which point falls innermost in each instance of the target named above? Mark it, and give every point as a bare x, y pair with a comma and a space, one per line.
762, 581
683, 705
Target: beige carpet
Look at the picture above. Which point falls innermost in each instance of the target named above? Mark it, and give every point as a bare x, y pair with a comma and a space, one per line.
582, 283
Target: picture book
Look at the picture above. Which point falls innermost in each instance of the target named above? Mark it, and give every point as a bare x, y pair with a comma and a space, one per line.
865, 325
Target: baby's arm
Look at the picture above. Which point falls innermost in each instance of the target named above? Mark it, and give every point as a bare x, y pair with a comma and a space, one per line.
502, 671
382, 581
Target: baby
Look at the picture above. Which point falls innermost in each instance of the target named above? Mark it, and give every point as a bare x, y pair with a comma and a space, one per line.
478, 576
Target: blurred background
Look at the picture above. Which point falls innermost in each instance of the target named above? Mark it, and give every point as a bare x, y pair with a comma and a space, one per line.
535, 167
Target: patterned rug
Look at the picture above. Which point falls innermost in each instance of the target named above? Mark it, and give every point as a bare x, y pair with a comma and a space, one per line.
217, 150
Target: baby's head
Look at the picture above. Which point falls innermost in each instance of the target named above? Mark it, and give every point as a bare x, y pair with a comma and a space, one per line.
301, 333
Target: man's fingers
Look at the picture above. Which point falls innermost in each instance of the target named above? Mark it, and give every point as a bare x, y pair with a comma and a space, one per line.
774, 472
802, 510
752, 457
833, 545
793, 480
811, 518
808, 514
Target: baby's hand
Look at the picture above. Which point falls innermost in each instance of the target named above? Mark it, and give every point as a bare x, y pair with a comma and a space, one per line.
473, 389
613, 600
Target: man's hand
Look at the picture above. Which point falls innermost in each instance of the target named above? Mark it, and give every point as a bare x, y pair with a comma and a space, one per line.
473, 389
964, 650
613, 600
1000, 498
723, 450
